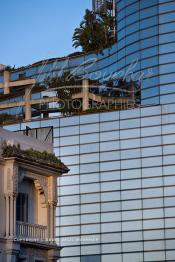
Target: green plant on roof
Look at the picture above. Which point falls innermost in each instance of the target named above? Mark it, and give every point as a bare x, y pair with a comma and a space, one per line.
16, 151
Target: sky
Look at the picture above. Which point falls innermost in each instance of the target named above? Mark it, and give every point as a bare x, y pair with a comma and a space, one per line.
32, 30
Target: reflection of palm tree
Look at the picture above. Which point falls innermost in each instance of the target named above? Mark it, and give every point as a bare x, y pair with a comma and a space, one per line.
107, 23
94, 33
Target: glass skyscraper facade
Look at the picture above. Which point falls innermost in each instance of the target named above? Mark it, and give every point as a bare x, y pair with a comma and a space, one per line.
118, 201
117, 204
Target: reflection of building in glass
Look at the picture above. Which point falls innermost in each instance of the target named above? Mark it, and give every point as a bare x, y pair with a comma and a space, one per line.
74, 97
117, 203
104, 6
145, 35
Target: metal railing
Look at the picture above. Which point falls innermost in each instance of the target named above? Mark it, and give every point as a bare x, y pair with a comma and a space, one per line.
31, 232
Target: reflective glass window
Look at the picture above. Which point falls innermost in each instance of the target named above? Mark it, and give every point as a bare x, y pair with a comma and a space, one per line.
131, 194
165, 38
167, 79
130, 225
165, 18
89, 148
90, 198
149, 42
132, 18
89, 138
149, 52
113, 206
149, 32
132, 236
131, 247
89, 128
165, 28
151, 11
152, 21
144, 4
154, 256
112, 196
150, 92
69, 141
90, 229
167, 48
112, 258
110, 227
149, 62
132, 8
88, 158
168, 68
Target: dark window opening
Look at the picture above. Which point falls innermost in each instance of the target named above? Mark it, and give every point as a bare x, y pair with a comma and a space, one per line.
22, 207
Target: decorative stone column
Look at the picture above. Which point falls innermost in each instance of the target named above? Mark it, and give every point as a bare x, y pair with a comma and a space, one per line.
14, 214
51, 221
10, 200
52, 203
7, 204
11, 217
10, 189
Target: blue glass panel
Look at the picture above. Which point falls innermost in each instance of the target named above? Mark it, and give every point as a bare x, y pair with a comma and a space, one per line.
169, 58
149, 22
167, 38
148, 12
167, 48
167, 7
149, 52
165, 18
149, 32
150, 62
132, 8
149, 42
144, 4
132, 18
168, 68
132, 28
167, 79
165, 28
150, 92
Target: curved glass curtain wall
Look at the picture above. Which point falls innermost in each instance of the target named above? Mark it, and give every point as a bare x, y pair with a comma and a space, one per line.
145, 50
138, 41
146, 32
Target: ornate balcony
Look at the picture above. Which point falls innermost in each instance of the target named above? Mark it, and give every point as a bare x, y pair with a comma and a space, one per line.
31, 232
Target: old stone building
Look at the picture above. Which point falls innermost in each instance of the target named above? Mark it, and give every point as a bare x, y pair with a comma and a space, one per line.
28, 199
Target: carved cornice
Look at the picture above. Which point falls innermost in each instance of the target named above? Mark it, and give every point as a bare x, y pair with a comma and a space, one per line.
39, 168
